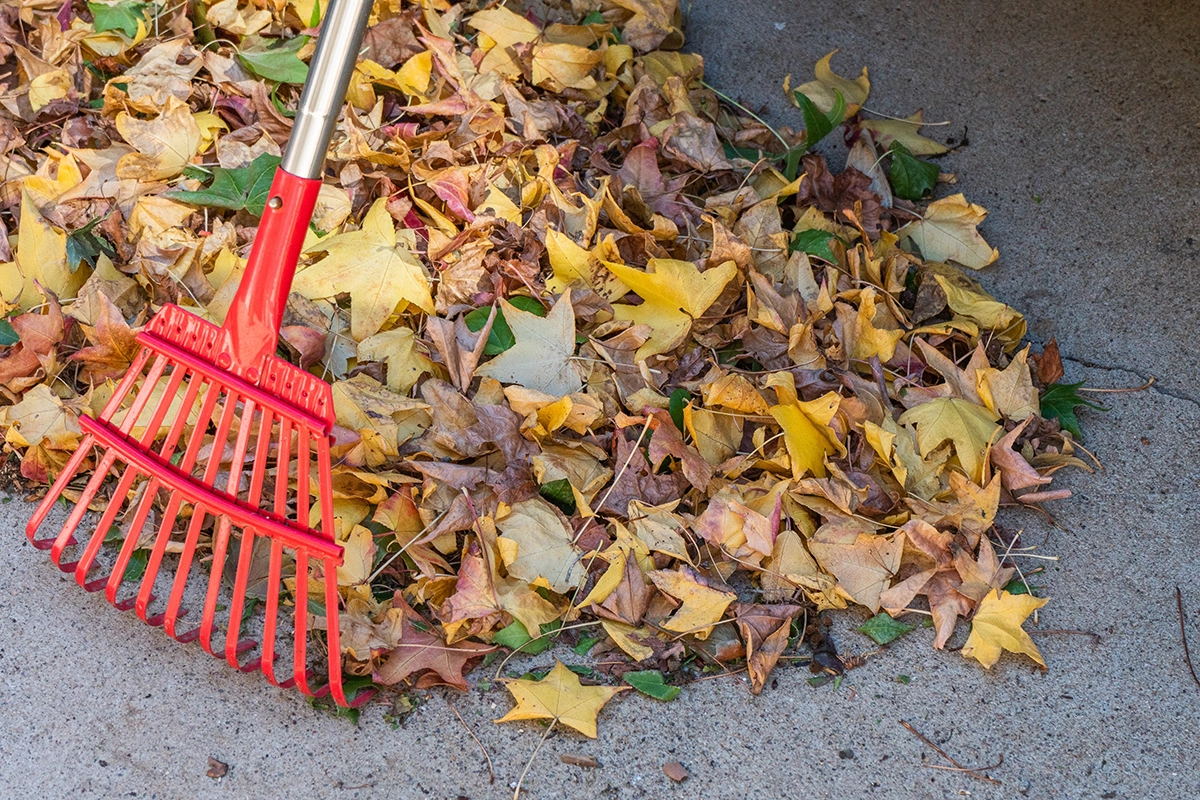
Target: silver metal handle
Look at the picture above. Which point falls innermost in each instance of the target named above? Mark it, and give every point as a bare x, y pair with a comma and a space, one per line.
328, 78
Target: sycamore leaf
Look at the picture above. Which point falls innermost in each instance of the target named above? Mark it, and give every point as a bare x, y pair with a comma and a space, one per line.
1009, 392
165, 144
676, 293
560, 697
46, 426
948, 233
996, 627
376, 266
574, 266
48, 87
824, 90
1003, 319
114, 344
805, 423
969, 426
905, 132
702, 607
545, 554
541, 358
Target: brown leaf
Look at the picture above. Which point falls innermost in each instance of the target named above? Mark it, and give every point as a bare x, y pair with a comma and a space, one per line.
675, 771
114, 344
422, 649
765, 630
1049, 364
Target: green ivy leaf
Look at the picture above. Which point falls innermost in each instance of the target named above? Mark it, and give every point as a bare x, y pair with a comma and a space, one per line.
586, 644
277, 61
883, 629
123, 17
8, 334
911, 178
1059, 402
501, 337
651, 682
136, 568
815, 243
83, 245
515, 637
679, 400
559, 492
236, 189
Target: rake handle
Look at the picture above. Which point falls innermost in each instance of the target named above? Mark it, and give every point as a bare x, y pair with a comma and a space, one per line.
251, 329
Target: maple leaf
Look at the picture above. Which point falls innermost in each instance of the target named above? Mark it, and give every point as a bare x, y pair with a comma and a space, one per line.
47, 426
165, 144
545, 551
863, 562
420, 649
114, 344
676, 293
996, 627
948, 232
765, 630
702, 606
376, 266
828, 84
969, 426
806, 431
560, 697
542, 357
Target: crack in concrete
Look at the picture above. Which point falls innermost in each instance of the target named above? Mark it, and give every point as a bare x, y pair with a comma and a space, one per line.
1154, 387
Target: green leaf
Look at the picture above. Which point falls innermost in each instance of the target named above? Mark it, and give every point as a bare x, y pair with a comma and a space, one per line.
501, 337
8, 334
83, 245
911, 177
236, 189
817, 124
1019, 586
904, 679
651, 682
586, 644
277, 62
679, 400
883, 629
122, 17
136, 567
559, 492
1059, 402
815, 243
515, 637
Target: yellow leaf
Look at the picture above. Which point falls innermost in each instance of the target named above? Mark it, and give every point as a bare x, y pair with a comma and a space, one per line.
546, 555
948, 233
560, 697
564, 66
48, 87
358, 557
1006, 321
806, 431
702, 607
864, 563
165, 144
405, 363
996, 627
821, 91
41, 255
209, 125
620, 633
608, 582
860, 334
1009, 392
498, 204
413, 76
675, 293
376, 266
904, 131
969, 426
574, 266
383, 419
541, 358
504, 27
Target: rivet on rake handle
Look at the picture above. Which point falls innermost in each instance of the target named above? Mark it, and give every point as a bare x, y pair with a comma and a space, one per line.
188, 500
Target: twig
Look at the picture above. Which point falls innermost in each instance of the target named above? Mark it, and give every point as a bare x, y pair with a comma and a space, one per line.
1125, 390
491, 771
529, 763
1187, 655
974, 773
964, 769
1096, 638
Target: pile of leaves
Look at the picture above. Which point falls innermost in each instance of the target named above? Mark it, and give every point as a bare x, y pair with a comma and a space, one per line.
615, 364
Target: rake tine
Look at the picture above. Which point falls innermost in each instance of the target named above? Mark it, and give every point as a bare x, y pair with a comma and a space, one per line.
172, 614
56, 490
265, 423
221, 543
300, 659
332, 598
274, 574
66, 537
200, 511
167, 525
147, 502
84, 565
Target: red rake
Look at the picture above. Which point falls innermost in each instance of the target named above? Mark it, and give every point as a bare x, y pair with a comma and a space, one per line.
227, 381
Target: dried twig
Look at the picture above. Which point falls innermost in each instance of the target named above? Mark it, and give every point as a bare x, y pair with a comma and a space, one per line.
974, 772
1187, 655
491, 770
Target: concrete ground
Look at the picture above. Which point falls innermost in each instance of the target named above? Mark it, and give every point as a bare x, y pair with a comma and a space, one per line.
1091, 106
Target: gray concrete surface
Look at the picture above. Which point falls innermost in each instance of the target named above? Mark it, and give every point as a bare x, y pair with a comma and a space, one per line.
1091, 106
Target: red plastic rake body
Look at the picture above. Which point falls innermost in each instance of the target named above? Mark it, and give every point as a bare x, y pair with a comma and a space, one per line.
178, 489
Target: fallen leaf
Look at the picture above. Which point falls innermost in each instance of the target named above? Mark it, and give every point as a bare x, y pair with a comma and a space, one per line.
675, 294
948, 232
996, 627
560, 697
542, 357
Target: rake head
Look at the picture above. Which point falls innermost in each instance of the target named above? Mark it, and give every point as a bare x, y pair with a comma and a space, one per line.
190, 444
